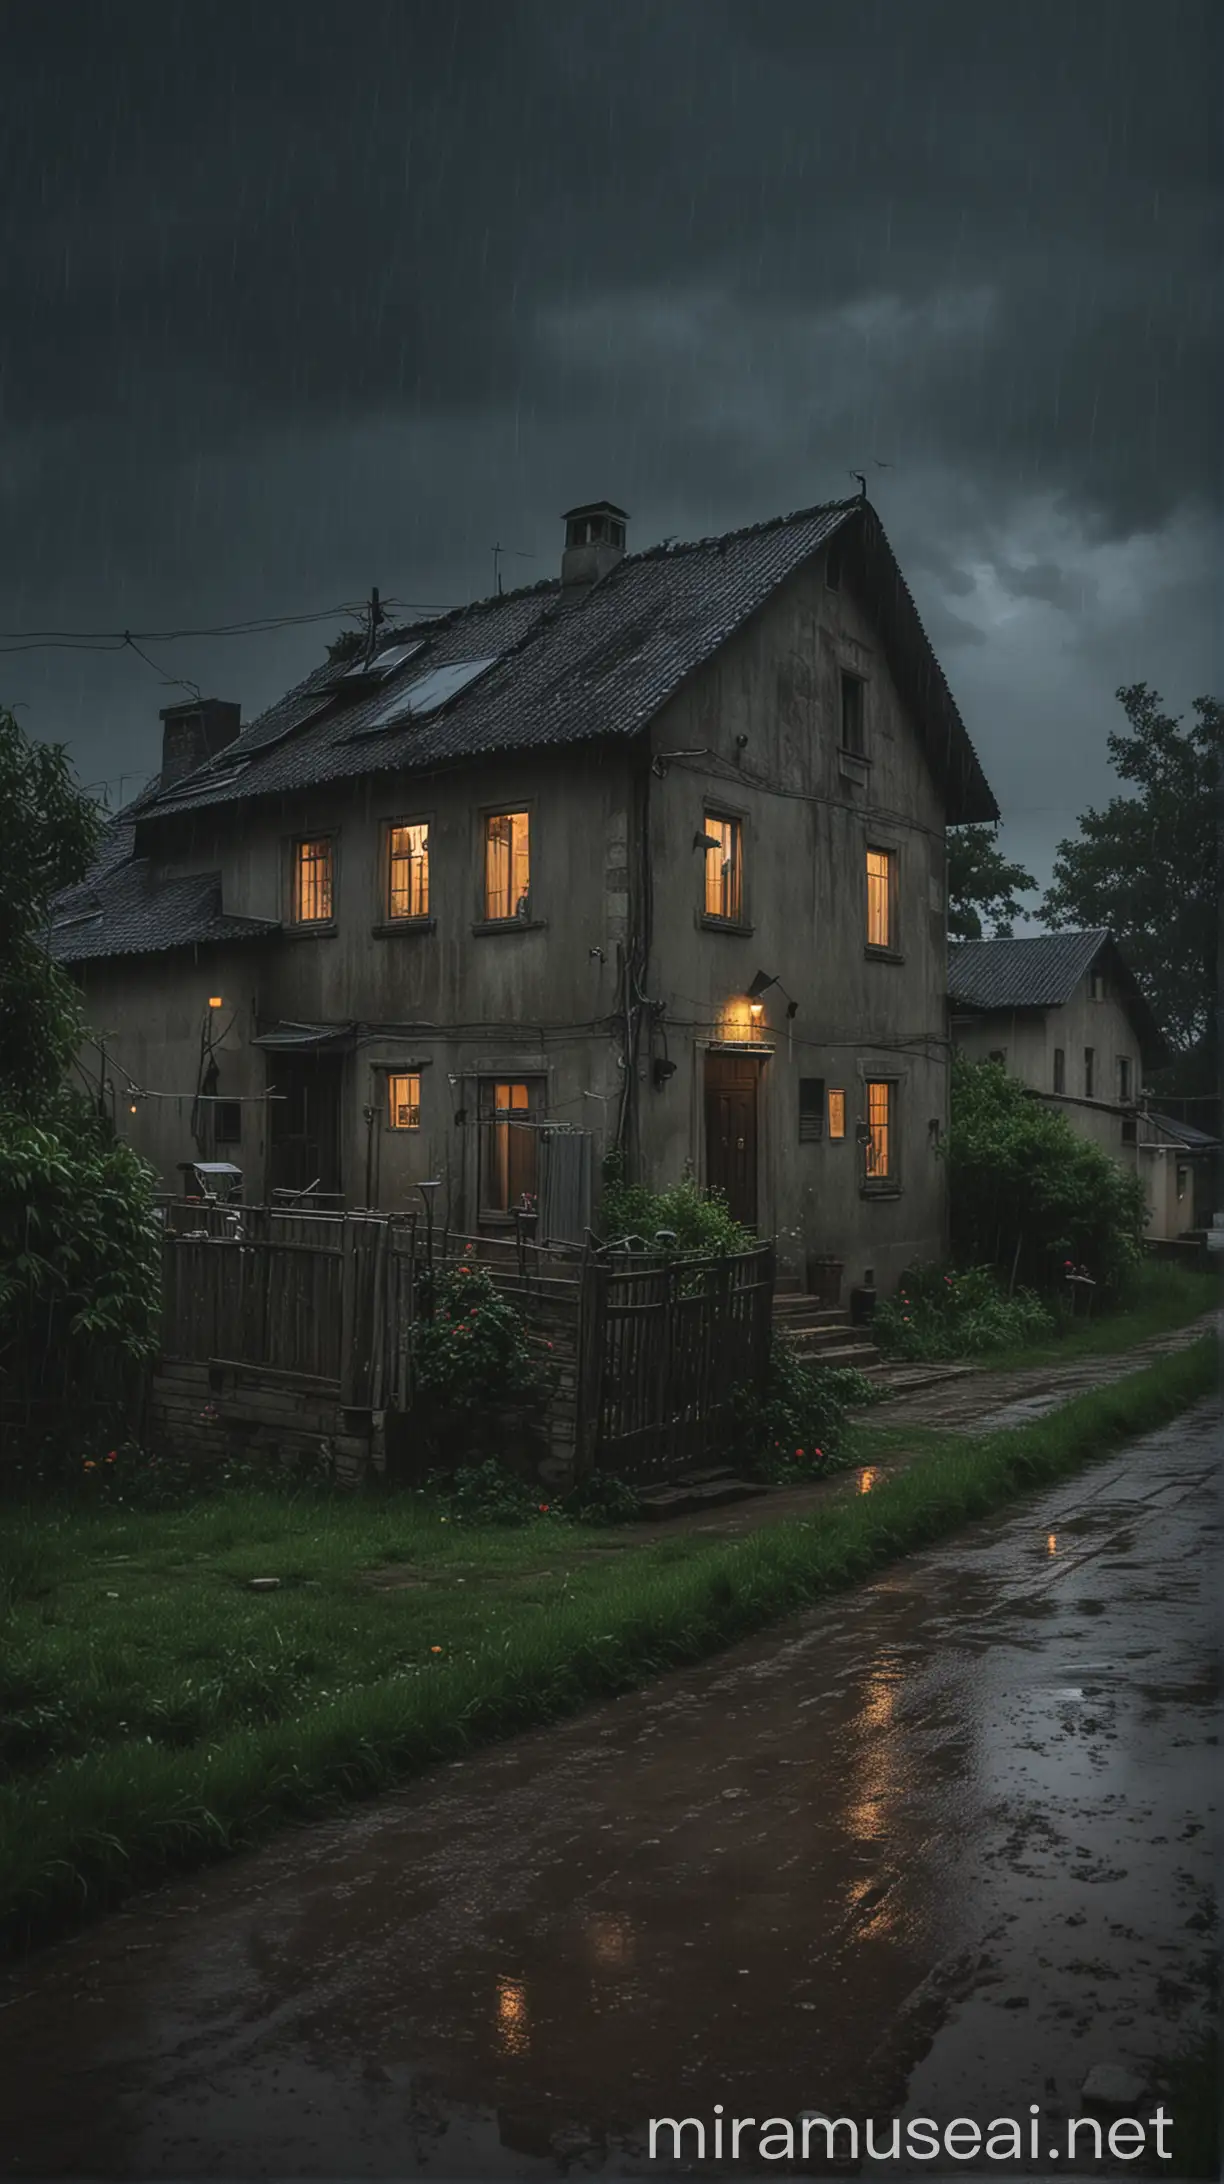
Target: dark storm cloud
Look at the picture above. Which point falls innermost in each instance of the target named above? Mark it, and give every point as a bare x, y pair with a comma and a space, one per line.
298, 297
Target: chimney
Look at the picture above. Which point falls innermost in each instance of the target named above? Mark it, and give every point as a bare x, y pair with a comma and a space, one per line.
195, 732
594, 541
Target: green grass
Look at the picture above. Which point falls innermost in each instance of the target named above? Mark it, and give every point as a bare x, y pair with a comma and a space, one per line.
1162, 1298
159, 1714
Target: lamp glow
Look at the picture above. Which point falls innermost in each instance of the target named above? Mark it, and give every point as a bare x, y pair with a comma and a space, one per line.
215, 1001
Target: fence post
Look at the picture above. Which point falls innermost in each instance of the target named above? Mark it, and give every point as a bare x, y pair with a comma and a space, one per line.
588, 1392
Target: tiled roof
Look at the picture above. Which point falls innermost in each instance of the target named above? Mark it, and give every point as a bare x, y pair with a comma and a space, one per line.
118, 910
574, 664
1021, 974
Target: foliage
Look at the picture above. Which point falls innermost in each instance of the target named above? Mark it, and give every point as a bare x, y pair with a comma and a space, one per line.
1028, 1193
489, 1493
600, 1498
983, 887
348, 646
798, 1429
472, 1351
1147, 865
938, 1312
51, 832
700, 1221
79, 1251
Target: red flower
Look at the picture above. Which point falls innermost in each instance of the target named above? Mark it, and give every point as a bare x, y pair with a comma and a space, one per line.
798, 1452
543, 1508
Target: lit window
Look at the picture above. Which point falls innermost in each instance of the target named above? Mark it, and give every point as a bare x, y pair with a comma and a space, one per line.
881, 868
853, 731
404, 1102
507, 865
313, 874
880, 1128
811, 1108
408, 871
723, 867
837, 1114
508, 1148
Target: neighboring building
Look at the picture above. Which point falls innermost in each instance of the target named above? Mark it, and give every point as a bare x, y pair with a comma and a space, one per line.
652, 853
1063, 1012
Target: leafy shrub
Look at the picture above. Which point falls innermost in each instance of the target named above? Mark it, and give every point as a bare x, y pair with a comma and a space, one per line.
701, 1221
473, 1352
488, 1493
798, 1429
601, 1499
1028, 1193
940, 1313
80, 1253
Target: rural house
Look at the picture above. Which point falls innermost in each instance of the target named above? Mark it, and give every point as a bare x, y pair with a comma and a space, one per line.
1063, 1012
651, 855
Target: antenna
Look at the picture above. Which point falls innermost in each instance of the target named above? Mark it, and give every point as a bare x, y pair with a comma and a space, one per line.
497, 552
862, 483
374, 621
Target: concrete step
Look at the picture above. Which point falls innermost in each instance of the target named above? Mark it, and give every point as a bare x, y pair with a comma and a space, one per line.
806, 1309
680, 1497
859, 1354
827, 1338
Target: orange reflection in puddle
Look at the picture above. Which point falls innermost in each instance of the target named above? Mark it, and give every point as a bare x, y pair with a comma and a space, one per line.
513, 2030
868, 1478
1051, 1543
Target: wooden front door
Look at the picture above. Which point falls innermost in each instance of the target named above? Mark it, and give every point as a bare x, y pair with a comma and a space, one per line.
731, 1131
304, 1133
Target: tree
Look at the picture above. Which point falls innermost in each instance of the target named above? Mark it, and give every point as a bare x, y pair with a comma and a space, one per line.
51, 833
1147, 865
982, 884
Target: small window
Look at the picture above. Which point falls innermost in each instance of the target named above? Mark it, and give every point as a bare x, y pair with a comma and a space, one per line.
508, 1148
1183, 1181
724, 868
408, 870
1124, 1076
881, 1150
853, 727
507, 865
227, 1126
1089, 1072
313, 881
1060, 1069
811, 1108
881, 891
404, 1101
1097, 986
837, 1114
1130, 1131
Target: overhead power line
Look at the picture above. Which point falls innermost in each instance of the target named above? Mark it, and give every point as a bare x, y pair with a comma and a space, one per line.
117, 640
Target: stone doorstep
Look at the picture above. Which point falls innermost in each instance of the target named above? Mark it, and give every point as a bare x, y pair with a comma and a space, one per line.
682, 1498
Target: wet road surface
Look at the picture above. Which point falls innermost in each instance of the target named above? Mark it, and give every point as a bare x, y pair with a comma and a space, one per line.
935, 1848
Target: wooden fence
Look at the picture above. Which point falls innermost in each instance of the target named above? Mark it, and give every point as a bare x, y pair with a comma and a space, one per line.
264, 1308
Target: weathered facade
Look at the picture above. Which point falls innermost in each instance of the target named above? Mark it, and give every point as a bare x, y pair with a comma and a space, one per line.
652, 856
1063, 1013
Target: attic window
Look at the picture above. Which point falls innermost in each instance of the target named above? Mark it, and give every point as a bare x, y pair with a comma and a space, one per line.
1098, 986
427, 693
853, 712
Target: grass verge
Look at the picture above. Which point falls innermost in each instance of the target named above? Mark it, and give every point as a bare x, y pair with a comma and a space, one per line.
345, 1689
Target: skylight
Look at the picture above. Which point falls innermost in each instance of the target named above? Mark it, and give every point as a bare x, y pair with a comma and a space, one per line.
428, 692
384, 663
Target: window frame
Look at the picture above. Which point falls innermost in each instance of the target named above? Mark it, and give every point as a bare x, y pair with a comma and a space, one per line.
487, 920
889, 948
847, 676
1125, 1091
299, 842
836, 1136
489, 1118
408, 1077
219, 1136
1060, 1072
389, 917
812, 1114
715, 816
1089, 1073
874, 1182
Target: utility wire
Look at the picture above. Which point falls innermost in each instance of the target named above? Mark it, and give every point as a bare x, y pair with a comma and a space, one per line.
106, 640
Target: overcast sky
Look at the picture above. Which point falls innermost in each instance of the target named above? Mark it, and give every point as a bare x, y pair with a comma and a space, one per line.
300, 298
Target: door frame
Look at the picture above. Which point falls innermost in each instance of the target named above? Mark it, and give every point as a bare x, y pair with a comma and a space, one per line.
757, 1057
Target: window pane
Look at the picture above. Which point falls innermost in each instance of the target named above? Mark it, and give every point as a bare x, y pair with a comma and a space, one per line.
1060, 1069
508, 1147
879, 898
313, 882
879, 1122
404, 1102
408, 895
1089, 1071
722, 867
507, 865
837, 1114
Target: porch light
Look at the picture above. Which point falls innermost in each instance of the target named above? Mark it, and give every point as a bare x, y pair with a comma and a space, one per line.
215, 1001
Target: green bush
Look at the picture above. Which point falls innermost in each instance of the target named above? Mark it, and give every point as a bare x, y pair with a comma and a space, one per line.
798, 1428
488, 1493
472, 1352
601, 1499
701, 1221
1028, 1193
938, 1312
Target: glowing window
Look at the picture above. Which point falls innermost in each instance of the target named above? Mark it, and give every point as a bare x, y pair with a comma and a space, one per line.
313, 878
508, 1148
408, 871
880, 1127
837, 1114
723, 867
881, 870
507, 865
404, 1101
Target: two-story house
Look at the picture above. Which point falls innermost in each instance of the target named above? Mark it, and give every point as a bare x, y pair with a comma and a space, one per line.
1064, 1013
650, 855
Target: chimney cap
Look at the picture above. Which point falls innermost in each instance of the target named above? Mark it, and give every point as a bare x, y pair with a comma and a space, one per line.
595, 508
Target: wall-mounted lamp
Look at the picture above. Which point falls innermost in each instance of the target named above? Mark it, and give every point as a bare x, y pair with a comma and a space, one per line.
761, 985
215, 1001
663, 1070
756, 1010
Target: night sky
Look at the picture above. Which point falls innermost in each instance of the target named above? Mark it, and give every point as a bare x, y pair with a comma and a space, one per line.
300, 299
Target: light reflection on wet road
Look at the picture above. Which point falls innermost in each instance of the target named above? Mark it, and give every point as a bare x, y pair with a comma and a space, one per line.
936, 1847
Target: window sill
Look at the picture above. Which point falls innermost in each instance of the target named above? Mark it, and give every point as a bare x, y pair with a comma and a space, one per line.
736, 926
854, 764
400, 928
325, 929
483, 928
883, 955
879, 1190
